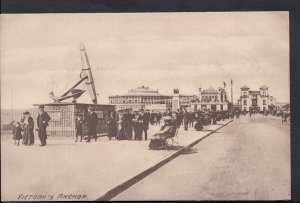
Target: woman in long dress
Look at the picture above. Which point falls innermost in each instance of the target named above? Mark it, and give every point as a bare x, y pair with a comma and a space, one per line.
112, 126
28, 137
121, 127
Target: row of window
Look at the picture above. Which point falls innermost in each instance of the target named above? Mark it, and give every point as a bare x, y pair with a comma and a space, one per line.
146, 100
263, 94
245, 102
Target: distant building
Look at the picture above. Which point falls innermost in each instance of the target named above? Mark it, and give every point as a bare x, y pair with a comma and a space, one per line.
211, 99
146, 98
259, 100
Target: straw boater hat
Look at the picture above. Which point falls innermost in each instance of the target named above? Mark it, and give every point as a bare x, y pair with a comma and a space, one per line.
26, 113
91, 108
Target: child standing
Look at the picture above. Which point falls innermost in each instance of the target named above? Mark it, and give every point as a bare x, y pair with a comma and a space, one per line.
79, 127
17, 134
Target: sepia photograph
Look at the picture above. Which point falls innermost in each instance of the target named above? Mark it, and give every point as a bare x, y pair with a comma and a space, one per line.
145, 106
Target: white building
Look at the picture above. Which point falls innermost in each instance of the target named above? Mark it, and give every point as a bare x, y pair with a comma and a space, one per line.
259, 100
211, 99
147, 98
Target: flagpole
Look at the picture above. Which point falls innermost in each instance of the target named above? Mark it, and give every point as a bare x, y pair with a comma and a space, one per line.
231, 93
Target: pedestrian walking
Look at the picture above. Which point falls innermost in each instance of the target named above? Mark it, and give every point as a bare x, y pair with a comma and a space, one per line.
121, 126
146, 119
191, 119
28, 123
17, 133
185, 119
42, 123
128, 124
92, 123
112, 126
138, 126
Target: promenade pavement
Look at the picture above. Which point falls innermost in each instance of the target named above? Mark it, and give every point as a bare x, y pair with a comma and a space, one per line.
66, 170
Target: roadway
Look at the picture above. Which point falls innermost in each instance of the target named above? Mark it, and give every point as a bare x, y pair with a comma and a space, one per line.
247, 160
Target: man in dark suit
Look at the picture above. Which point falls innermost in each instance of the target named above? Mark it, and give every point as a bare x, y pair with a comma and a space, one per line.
42, 123
146, 120
92, 122
186, 118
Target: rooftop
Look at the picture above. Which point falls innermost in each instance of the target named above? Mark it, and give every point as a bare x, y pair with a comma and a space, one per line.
147, 91
264, 87
210, 91
245, 87
254, 92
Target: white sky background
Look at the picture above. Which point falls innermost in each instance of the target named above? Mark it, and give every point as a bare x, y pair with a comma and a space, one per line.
40, 53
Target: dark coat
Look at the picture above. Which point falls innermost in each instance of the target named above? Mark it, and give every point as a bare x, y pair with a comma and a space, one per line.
79, 126
28, 137
92, 120
43, 120
112, 126
146, 119
186, 117
17, 135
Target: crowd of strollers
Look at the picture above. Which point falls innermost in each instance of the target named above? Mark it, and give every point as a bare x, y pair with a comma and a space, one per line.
134, 125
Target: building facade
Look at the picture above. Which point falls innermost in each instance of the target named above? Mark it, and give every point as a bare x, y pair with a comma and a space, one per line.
211, 99
258, 100
147, 98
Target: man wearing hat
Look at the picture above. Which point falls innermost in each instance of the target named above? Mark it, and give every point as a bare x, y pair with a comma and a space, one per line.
42, 123
92, 122
186, 118
146, 119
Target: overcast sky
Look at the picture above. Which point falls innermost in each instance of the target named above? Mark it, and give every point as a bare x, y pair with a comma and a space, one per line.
40, 53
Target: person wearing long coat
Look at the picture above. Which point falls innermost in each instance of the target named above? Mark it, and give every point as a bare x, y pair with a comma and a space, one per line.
186, 118
146, 120
121, 127
92, 123
138, 126
112, 126
42, 123
28, 136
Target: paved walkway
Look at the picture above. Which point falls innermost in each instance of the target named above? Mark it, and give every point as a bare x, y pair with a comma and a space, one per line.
64, 167
247, 160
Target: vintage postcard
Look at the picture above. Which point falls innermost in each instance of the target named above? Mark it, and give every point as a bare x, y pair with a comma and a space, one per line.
145, 106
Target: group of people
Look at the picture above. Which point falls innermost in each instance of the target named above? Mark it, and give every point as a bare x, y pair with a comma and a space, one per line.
91, 121
127, 125
24, 130
283, 114
199, 118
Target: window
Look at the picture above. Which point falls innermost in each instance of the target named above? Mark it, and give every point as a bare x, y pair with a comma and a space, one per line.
244, 93
264, 93
264, 102
245, 102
